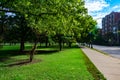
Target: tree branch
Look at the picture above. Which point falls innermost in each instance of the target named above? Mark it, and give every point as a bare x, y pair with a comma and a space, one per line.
8, 1
40, 14
12, 11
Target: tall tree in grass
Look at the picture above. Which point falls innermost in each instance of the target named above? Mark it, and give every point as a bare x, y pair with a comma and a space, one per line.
87, 24
50, 17
17, 30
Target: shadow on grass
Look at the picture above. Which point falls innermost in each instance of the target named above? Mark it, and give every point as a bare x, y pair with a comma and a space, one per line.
7, 54
2, 59
19, 62
46, 51
22, 62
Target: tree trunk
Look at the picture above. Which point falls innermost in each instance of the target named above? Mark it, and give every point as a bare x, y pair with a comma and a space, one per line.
33, 51
46, 42
91, 45
22, 45
60, 43
70, 43
2, 29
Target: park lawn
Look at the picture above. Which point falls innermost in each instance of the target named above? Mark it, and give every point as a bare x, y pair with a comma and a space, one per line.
68, 64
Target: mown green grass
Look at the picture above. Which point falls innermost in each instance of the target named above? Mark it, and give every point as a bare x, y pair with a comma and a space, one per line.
8, 47
69, 64
65, 65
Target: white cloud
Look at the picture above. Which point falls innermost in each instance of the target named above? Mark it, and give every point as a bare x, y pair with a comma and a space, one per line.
95, 9
116, 8
99, 9
95, 5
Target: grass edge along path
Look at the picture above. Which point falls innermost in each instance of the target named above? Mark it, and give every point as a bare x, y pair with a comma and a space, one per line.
68, 64
92, 69
89, 66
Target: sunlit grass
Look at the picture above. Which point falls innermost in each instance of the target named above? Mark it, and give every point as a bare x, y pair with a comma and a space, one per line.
65, 65
68, 64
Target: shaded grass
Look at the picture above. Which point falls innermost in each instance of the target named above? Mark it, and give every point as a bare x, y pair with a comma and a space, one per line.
69, 64
65, 65
12, 47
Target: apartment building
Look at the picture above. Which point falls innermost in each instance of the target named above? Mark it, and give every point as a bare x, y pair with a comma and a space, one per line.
111, 27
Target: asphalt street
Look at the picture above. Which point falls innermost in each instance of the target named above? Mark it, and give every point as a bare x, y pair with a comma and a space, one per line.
111, 50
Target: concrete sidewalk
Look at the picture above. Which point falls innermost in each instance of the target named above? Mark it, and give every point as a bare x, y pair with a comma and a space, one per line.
107, 65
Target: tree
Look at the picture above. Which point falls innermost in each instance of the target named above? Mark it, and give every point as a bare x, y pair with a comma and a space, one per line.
86, 26
52, 17
3, 18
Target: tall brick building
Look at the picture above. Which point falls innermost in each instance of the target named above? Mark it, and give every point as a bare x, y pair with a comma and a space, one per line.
111, 26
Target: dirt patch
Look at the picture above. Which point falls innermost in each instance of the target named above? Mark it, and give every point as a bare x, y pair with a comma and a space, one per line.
23, 62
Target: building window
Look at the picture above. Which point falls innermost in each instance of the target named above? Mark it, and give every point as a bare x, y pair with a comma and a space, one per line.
114, 29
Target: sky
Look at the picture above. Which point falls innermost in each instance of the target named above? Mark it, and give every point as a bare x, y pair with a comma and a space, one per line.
99, 8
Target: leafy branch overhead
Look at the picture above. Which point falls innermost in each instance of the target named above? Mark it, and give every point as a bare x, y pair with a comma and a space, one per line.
68, 17
61, 18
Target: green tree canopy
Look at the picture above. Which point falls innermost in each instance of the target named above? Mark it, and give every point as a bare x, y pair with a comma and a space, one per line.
53, 17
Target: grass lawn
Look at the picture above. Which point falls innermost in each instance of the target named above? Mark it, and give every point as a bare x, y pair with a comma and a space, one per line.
69, 64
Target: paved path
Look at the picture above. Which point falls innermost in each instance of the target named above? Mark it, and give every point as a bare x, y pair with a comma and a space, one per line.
107, 65
111, 50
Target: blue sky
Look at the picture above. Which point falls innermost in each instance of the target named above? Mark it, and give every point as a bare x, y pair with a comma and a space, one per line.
99, 8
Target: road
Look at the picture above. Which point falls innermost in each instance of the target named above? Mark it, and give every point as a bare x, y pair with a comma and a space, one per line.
111, 50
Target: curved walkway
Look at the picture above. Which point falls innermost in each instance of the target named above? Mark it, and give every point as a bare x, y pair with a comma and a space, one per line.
107, 65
